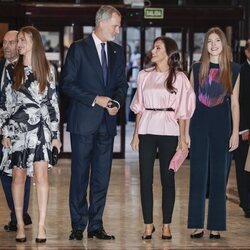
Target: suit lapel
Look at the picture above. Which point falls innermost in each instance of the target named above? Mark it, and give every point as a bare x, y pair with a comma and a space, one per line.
2, 63
93, 57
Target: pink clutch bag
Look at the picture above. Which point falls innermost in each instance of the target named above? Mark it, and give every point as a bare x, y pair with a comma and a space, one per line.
177, 160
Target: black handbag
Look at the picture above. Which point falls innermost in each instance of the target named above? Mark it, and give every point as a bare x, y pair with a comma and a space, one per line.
54, 156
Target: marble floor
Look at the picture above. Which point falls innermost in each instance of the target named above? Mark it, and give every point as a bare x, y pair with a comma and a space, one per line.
123, 216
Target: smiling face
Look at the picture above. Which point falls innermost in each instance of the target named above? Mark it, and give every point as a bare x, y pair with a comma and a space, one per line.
24, 44
110, 28
214, 45
159, 54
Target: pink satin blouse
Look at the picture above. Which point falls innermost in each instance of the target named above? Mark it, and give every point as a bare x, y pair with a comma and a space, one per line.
151, 93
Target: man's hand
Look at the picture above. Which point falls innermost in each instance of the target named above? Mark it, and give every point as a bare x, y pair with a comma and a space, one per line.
102, 101
245, 136
112, 111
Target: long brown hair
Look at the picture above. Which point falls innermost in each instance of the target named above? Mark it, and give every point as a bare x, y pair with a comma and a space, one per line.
39, 63
224, 60
173, 61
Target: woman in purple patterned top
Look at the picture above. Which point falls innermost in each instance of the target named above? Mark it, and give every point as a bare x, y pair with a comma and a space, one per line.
213, 131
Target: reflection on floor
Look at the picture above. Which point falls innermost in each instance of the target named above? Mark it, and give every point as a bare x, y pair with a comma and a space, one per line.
123, 216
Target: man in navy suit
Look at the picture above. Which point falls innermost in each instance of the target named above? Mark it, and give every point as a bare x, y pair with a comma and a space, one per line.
10, 56
240, 154
94, 79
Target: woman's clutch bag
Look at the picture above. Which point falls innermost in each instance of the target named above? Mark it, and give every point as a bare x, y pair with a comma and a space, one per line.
177, 160
54, 155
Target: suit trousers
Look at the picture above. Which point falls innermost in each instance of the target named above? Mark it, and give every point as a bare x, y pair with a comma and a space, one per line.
210, 132
148, 146
6, 183
91, 166
243, 177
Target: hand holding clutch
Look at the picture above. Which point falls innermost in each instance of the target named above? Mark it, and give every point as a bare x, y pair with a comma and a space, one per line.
177, 160
54, 156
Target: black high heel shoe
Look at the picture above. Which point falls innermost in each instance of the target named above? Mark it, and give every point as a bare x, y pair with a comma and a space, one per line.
166, 237
21, 240
38, 240
42, 240
148, 237
195, 235
214, 236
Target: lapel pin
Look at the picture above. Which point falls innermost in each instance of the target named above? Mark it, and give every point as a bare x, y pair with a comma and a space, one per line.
114, 51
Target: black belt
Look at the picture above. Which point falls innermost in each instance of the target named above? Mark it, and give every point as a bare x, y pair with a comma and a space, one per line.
166, 109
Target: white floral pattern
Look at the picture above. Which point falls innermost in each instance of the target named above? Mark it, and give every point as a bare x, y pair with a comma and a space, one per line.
30, 119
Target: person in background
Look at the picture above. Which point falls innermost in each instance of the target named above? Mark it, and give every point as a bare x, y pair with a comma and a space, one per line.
94, 78
1, 51
240, 154
29, 117
216, 84
10, 57
163, 101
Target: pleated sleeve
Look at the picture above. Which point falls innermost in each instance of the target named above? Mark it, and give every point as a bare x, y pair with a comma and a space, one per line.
186, 97
137, 104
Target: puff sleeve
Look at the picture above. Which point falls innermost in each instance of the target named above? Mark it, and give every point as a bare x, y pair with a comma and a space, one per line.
186, 98
137, 104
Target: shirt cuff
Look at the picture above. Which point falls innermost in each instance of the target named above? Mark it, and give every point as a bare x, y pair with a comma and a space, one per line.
243, 131
94, 102
117, 103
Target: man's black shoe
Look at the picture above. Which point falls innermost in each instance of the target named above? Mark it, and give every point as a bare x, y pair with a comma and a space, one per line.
10, 227
76, 235
100, 234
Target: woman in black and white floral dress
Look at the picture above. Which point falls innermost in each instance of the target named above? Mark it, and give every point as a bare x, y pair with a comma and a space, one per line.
29, 118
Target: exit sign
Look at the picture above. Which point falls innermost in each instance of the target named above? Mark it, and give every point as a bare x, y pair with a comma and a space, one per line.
154, 13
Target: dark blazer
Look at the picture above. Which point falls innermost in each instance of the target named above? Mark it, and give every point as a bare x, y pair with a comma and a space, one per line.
2, 63
244, 98
82, 81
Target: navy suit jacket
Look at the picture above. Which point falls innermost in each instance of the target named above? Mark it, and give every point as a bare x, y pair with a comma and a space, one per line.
82, 81
2, 63
244, 96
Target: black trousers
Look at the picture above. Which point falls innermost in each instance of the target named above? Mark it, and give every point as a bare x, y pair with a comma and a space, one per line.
148, 147
243, 177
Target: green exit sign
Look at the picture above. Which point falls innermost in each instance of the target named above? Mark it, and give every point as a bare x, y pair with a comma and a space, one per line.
153, 13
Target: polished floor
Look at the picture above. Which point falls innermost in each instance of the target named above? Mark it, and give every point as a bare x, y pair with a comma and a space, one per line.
123, 215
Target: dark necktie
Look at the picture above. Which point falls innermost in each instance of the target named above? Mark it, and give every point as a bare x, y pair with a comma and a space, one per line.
104, 64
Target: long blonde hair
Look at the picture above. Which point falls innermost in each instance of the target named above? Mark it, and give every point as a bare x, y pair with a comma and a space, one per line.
39, 63
224, 60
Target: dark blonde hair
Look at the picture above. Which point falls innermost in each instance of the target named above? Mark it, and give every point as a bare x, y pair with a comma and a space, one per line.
224, 60
39, 63
173, 61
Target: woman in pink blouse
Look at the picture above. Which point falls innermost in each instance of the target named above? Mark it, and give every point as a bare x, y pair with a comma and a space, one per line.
163, 101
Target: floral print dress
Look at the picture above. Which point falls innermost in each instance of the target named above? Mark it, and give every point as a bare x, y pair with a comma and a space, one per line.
30, 119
